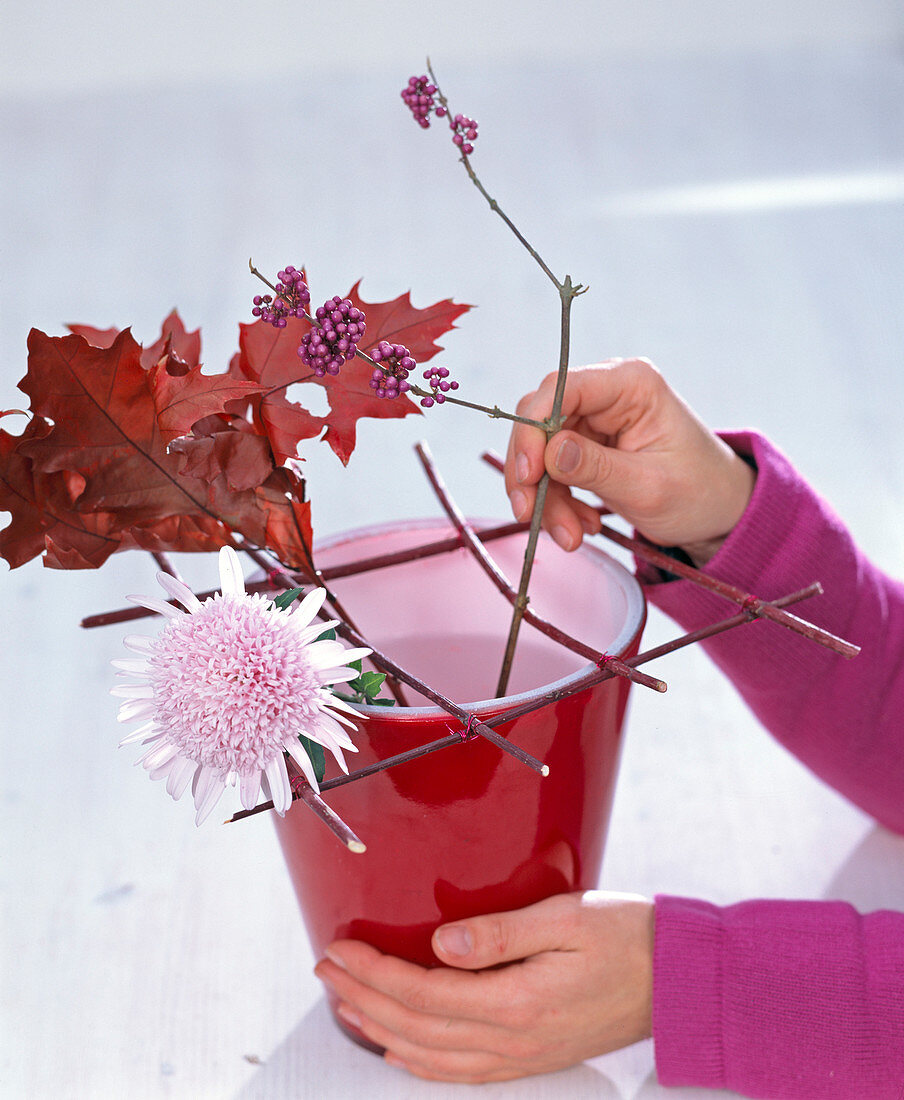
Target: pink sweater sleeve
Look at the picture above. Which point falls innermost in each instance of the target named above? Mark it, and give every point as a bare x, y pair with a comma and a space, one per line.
794, 999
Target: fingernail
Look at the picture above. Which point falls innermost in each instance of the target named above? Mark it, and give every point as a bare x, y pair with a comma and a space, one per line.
522, 469
334, 958
349, 1016
562, 536
518, 501
455, 939
569, 457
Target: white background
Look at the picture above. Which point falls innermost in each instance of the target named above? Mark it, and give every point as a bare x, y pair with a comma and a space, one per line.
727, 178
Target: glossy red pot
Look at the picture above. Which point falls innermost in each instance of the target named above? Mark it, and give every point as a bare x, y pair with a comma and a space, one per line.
467, 829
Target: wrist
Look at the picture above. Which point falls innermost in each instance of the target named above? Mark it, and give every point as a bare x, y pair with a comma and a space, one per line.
738, 489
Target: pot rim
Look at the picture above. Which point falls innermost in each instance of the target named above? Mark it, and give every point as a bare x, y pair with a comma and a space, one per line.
635, 617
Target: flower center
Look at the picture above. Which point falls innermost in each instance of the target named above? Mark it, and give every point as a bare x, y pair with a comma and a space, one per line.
233, 684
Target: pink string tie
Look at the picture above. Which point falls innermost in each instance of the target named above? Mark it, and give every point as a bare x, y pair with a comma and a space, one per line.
468, 733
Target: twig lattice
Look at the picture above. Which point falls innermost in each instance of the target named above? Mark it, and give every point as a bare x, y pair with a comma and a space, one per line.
750, 609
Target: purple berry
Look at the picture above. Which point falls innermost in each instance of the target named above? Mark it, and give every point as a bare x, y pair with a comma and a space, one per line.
440, 384
327, 347
393, 366
292, 296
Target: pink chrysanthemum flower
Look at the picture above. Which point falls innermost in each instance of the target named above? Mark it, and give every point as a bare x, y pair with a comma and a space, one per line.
225, 691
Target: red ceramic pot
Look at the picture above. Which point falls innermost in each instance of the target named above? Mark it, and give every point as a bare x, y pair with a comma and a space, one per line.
467, 829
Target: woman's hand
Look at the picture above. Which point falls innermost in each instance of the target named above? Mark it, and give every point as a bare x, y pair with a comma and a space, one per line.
525, 992
631, 440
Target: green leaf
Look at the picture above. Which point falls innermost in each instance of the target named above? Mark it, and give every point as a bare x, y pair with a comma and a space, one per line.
285, 599
316, 752
326, 636
372, 683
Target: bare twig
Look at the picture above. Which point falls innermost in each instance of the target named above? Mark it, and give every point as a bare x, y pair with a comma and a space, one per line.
590, 679
302, 790
499, 579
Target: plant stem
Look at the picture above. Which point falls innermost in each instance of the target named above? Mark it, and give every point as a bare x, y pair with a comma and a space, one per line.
493, 412
567, 293
587, 681
493, 204
485, 561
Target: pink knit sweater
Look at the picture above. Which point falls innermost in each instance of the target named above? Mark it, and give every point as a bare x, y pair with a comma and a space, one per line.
800, 999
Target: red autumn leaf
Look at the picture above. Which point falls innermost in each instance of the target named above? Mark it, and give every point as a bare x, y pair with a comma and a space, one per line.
241, 456
43, 517
399, 322
182, 399
104, 465
270, 356
181, 392
173, 335
288, 519
23, 538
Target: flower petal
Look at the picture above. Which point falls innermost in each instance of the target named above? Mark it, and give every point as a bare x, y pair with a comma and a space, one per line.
143, 733
133, 691
306, 610
179, 591
135, 708
139, 643
212, 797
160, 606
280, 790
295, 749
249, 789
181, 772
131, 665
232, 580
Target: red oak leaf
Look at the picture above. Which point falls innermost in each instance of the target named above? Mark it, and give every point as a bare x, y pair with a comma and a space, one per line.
182, 397
241, 456
399, 322
103, 469
173, 336
43, 517
270, 356
181, 392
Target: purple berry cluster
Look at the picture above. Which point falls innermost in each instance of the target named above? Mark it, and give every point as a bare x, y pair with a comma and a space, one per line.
334, 338
418, 93
394, 364
438, 381
464, 133
292, 297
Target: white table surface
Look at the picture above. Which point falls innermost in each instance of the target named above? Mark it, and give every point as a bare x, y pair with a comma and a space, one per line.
737, 213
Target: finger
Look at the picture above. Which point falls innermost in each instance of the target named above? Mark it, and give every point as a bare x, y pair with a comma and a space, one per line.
564, 517
610, 392
486, 941
438, 1054
614, 475
362, 975
524, 462
524, 459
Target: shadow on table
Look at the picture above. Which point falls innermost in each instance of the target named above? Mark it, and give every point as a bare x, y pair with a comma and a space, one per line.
316, 1060
872, 876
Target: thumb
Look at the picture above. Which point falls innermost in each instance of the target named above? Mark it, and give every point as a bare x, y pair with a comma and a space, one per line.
480, 942
573, 459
